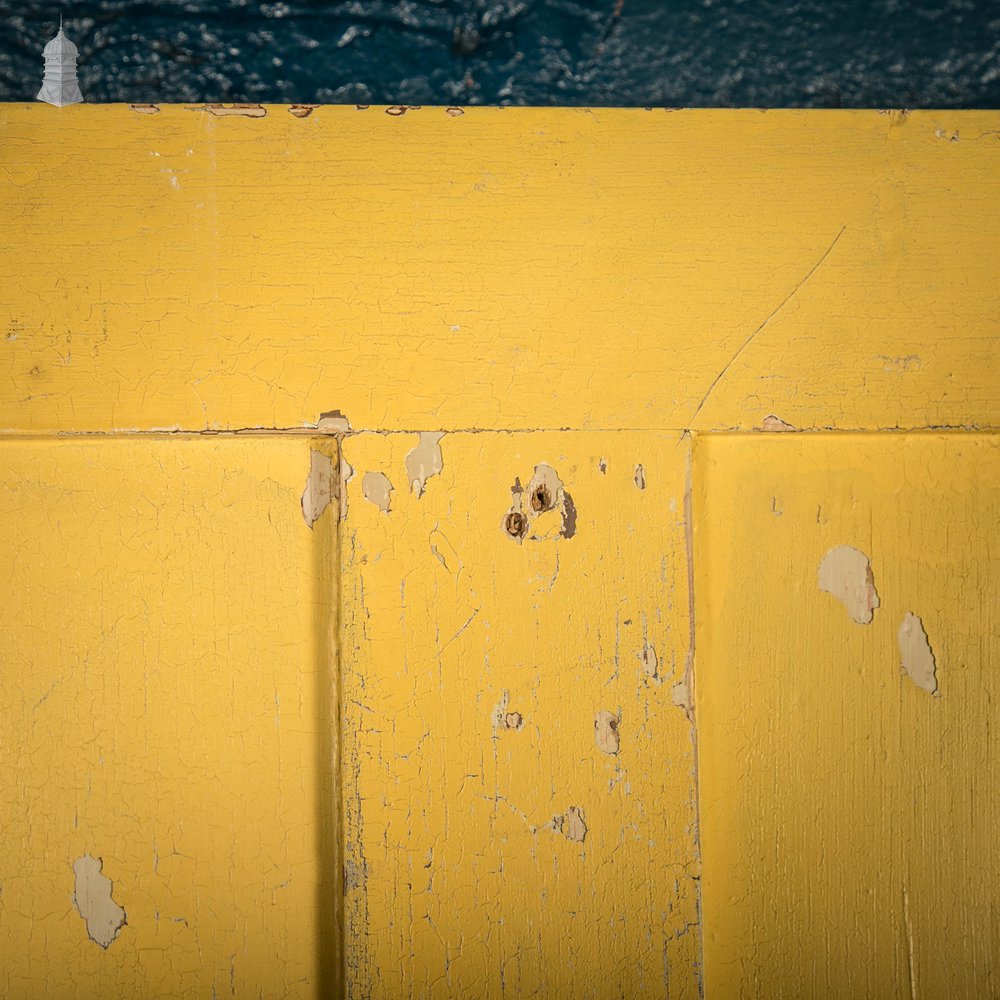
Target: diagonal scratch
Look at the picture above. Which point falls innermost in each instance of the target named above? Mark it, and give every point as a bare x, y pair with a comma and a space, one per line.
781, 305
460, 631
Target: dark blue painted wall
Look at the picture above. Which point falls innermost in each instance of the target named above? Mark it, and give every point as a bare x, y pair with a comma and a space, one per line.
842, 53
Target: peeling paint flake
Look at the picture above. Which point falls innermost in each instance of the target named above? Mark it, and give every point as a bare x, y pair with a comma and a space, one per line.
680, 695
321, 487
346, 475
606, 732
640, 477
145, 109
775, 425
230, 110
650, 661
424, 461
376, 487
846, 573
915, 654
333, 422
572, 824
92, 897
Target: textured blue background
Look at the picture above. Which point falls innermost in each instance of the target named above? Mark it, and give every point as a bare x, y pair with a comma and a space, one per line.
762, 53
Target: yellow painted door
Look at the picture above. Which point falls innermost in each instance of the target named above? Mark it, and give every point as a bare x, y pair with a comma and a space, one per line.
547, 673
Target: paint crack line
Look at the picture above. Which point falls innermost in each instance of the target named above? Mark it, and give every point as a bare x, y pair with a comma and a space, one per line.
781, 305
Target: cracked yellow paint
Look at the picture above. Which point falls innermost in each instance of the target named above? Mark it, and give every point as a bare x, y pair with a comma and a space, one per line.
405, 704
166, 706
496, 846
503, 268
848, 821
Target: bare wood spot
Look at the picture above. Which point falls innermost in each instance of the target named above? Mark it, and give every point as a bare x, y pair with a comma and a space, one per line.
606, 731
376, 487
680, 695
321, 487
232, 110
649, 660
424, 461
333, 422
572, 824
916, 655
846, 573
92, 897
775, 425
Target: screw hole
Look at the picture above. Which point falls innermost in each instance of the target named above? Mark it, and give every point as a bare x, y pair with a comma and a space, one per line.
541, 500
515, 524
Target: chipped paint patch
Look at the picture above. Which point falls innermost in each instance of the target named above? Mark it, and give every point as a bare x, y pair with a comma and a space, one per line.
640, 477
846, 573
915, 654
650, 661
572, 824
680, 695
376, 487
92, 897
145, 109
424, 461
775, 425
606, 734
454, 112
346, 475
231, 110
333, 422
321, 487
302, 110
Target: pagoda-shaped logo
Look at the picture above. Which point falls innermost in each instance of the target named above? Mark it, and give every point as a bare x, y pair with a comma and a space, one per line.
59, 86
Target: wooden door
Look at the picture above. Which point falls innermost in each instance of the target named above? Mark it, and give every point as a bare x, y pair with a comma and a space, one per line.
415, 552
